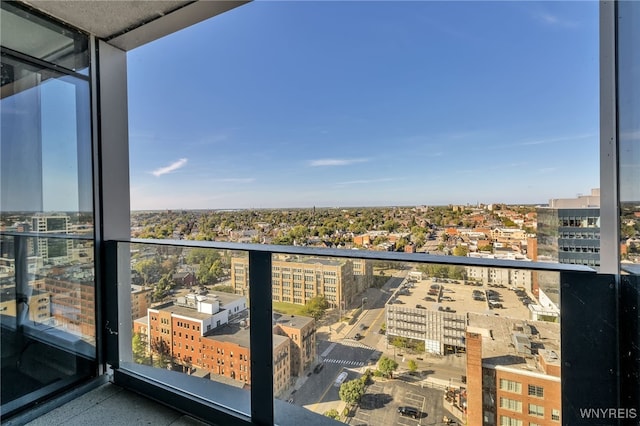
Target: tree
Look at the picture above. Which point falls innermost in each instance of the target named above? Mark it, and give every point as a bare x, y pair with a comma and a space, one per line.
224, 288
316, 307
149, 269
413, 366
387, 366
352, 391
460, 251
161, 353
139, 349
333, 413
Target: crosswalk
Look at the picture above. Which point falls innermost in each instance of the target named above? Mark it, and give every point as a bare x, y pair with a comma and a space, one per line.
355, 344
344, 362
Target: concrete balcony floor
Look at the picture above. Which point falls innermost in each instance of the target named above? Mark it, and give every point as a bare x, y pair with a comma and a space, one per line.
111, 405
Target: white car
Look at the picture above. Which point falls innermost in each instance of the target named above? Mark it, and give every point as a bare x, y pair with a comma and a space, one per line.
340, 380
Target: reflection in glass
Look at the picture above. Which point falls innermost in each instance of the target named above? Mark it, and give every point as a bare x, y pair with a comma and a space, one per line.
25, 32
456, 338
46, 145
186, 316
629, 131
47, 314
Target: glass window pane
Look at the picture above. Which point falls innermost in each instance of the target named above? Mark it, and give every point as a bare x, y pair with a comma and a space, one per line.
186, 317
629, 132
47, 314
45, 148
25, 32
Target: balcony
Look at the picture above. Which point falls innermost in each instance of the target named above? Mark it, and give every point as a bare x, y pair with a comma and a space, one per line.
211, 395
79, 325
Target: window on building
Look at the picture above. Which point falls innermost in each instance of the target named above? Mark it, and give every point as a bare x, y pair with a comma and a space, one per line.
510, 386
537, 391
511, 404
508, 421
536, 410
555, 415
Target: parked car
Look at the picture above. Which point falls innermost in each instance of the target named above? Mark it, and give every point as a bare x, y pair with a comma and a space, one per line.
340, 379
409, 412
318, 368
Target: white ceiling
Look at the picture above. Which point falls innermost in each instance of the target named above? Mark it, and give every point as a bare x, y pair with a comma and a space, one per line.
129, 24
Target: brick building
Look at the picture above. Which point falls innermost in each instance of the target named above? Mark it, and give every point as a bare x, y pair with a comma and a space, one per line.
301, 332
513, 372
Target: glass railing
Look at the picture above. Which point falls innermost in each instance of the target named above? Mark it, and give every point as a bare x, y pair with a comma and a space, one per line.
47, 316
362, 337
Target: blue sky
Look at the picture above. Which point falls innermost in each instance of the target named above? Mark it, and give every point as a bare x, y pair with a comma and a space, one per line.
296, 104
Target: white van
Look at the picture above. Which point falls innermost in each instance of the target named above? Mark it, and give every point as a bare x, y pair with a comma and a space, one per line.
340, 380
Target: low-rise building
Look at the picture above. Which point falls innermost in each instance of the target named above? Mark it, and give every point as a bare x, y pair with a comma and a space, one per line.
442, 332
302, 334
513, 372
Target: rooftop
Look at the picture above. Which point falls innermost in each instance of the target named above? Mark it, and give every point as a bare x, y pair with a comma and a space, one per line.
498, 347
294, 321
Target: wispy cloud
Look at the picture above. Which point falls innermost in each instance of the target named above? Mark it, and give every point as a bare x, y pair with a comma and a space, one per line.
546, 170
236, 180
554, 20
366, 181
170, 168
324, 162
553, 140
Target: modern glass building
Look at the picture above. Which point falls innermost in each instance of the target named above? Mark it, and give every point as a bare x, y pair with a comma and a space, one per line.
569, 236
67, 326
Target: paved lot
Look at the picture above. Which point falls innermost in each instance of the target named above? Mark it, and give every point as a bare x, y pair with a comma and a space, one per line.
380, 404
458, 297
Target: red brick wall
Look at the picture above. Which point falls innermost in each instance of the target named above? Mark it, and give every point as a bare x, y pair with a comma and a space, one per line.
474, 378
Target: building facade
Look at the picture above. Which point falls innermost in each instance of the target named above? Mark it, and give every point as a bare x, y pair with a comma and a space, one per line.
299, 281
442, 332
513, 375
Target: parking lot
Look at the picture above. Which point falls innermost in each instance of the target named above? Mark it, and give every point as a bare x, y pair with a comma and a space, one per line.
458, 296
379, 406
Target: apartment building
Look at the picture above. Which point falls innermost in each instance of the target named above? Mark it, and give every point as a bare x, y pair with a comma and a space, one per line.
196, 333
442, 332
513, 372
301, 332
299, 280
37, 308
140, 300
52, 249
509, 277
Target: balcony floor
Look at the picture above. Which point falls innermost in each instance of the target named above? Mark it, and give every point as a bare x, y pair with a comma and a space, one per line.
109, 405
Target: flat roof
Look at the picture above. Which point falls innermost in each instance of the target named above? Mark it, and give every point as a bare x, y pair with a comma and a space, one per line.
184, 311
497, 340
235, 334
294, 321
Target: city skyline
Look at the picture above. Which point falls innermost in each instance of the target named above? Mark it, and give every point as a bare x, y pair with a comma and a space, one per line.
390, 104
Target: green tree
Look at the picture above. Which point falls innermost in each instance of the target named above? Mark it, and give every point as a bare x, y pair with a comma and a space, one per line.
316, 307
352, 391
333, 413
223, 288
149, 269
387, 366
209, 265
413, 366
139, 349
460, 251
161, 354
